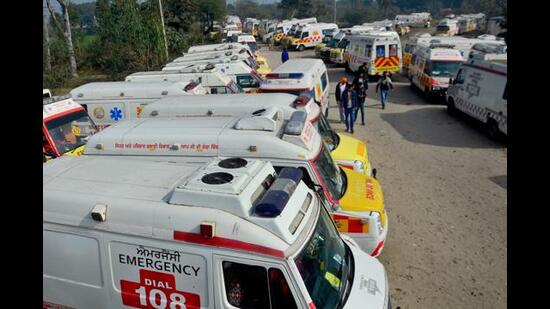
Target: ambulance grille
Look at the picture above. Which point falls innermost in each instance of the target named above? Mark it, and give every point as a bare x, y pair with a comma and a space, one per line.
217, 178
233, 163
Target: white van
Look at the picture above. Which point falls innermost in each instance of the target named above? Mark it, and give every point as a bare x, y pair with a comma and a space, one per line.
243, 53
232, 233
310, 35
242, 74
380, 50
245, 39
211, 78
447, 27
298, 76
464, 45
357, 202
431, 68
480, 90
347, 151
216, 47
110, 102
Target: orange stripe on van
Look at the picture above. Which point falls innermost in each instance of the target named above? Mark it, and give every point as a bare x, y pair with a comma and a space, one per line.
227, 243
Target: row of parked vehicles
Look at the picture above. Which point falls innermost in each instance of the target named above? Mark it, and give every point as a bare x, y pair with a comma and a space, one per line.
191, 198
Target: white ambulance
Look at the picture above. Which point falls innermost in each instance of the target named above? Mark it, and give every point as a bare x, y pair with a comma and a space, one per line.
212, 59
480, 90
65, 127
231, 234
245, 39
110, 102
208, 76
356, 200
310, 35
242, 53
216, 47
380, 50
347, 151
242, 74
431, 68
297, 76
447, 27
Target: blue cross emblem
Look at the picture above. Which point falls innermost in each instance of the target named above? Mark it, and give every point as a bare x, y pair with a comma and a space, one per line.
116, 113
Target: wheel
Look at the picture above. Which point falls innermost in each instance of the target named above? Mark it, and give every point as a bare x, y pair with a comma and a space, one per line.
492, 129
301, 48
451, 109
427, 95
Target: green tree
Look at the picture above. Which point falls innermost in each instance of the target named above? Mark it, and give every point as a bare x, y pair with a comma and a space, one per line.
210, 11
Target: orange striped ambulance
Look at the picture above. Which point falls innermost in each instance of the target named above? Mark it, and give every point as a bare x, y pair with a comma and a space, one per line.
380, 50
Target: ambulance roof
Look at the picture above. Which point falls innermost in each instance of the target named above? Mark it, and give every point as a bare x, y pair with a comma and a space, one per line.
222, 46
187, 75
293, 74
55, 105
161, 199
236, 104
246, 136
124, 90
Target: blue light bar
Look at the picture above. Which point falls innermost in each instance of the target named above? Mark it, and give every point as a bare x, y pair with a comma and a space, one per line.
284, 75
295, 174
274, 200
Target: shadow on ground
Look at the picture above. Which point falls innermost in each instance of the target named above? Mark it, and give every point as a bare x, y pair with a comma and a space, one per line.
501, 180
433, 126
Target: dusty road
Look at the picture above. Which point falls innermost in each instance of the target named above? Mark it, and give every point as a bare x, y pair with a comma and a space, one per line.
444, 185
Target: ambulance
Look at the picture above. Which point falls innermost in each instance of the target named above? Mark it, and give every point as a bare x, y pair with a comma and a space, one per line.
410, 46
347, 151
282, 38
380, 50
211, 59
111, 102
245, 39
208, 76
324, 52
464, 45
232, 233
356, 200
243, 53
310, 35
297, 76
480, 90
216, 47
447, 27
65, 127
243, 75
431, 68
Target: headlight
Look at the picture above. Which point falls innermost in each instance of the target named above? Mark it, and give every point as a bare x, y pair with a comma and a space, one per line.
378, 220
358, 166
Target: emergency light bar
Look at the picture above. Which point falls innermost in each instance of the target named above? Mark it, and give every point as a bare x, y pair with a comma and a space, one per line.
296, 124
302, 99
275, 199
285, 75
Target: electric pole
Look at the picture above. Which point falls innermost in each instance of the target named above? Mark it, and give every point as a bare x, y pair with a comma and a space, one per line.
163, 29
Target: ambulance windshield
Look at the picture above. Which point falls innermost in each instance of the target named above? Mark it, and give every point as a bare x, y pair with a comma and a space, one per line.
330, 173
325, 265
70, 131
330, 138
445, 68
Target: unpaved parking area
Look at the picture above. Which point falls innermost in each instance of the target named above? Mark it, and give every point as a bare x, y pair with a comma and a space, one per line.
444, 185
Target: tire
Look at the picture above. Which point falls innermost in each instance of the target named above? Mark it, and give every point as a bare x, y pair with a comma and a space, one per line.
492, 129
427, 96
301, 48
451, 109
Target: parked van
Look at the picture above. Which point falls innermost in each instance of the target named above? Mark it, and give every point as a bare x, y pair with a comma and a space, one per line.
464, 45
243, 53
243, 75
324, 52
480, 90
447, 27
298, 76
356, 199
347, 151
245, 39
283, 38
110, 102
211, 78
216, 47
168, 241
431, 68
65, 127
410, 47
337, 53
381, 51
310, 35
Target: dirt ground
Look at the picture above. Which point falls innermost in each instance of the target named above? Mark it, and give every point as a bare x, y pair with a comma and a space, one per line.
444, 185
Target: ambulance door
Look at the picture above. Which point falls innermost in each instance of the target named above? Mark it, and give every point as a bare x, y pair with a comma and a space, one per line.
380, 55
245, 282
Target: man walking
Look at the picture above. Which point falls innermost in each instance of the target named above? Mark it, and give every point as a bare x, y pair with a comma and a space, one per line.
349, 101
284, 55
361, 96
384, 84
340, 89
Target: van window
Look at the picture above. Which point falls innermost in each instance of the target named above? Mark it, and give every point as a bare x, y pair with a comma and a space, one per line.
248, 286
247, 81
368, 51
428, 68
380, 51
393, 50
305, 34
324, 80
459, 77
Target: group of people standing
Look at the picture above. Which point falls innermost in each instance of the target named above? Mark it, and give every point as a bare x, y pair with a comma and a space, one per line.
351, 97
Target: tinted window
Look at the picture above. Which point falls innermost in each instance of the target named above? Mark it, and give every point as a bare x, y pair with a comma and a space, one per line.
459, 77
505, 94
393, 50
324, 80
247, 81
380, 50
368, 50
305, 34
281, 297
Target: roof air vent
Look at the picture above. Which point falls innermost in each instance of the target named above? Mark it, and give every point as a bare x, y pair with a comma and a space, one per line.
233, 163
217, 178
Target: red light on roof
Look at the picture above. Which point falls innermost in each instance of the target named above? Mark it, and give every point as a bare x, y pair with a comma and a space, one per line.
208, 229
302, 99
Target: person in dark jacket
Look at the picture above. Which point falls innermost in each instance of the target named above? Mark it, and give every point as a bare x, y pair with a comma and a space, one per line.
349, 102
340, 88
284, 55
361, 97
384, 84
